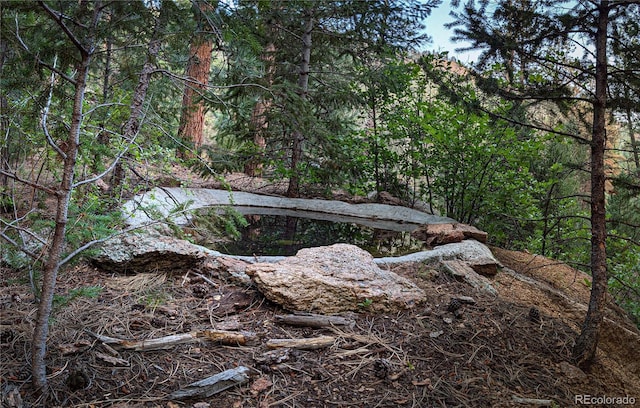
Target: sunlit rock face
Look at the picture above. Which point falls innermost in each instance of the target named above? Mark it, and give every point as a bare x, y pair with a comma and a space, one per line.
334, 279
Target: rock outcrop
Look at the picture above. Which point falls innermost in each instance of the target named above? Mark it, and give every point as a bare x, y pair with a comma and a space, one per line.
138, 253
333, 279
325, 279
448, 233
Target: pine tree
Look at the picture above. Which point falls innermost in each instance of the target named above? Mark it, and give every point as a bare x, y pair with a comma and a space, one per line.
61, 100
533, 42
197, 76
301, 93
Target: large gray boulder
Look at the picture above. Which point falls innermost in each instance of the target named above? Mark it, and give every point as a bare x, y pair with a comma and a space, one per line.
136, 253
334, 279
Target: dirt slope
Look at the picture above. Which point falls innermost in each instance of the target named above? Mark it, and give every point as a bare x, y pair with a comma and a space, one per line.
485, 354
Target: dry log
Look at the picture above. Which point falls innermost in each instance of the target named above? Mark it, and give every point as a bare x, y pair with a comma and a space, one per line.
303, 344
214, 384
230, 338
314, 320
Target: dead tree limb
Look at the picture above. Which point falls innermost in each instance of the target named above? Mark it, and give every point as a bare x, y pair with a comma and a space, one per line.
302, 344
229, 338
314, 320
214, 384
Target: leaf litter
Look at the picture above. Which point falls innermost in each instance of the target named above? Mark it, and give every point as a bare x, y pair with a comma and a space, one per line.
483, 353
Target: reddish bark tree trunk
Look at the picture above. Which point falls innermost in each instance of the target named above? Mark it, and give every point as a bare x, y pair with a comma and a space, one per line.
586, 345
198, 66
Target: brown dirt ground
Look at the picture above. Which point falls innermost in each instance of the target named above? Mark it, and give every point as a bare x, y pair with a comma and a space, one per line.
486, 354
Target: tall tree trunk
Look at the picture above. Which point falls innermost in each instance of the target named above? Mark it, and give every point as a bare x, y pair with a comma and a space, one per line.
132, 125
303, 89
198, 66
259, 122
376, 147
63, 196
586, 345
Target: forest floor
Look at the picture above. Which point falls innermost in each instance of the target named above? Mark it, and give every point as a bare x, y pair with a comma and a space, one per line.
490, 353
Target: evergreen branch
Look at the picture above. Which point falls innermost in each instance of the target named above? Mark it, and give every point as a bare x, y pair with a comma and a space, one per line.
21, 248
11, 225
37, 186
477, 106
626, 285
535, 127
188, 80
618, 149
113, 164
627, 224
104, 173
89, 244
102, 105
625, 184
40, 62
543, 94
627, 239
57, 17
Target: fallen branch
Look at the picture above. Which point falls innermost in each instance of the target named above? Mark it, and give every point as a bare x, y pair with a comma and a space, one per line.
314, 320
302, 344
225, 337
214, 384
114, 361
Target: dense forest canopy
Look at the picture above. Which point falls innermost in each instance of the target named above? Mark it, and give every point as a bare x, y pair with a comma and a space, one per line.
537, 143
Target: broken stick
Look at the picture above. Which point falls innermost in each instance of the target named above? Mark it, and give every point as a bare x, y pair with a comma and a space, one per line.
225, 337
314, 320
302, 344
214, 384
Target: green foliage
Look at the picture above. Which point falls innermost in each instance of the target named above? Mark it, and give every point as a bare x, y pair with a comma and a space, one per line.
232, 220
371, 120
265, 55
465, 165
227, 154
14, 258
90, 292
93, 215
624, 283
154, 297
623, 244
365, 304
478, 166
212, 224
